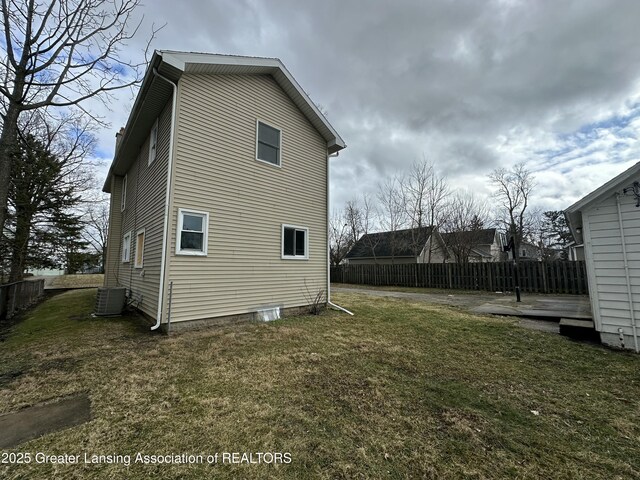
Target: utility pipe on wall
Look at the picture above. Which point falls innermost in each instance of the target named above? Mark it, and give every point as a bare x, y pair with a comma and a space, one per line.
627, 275
331, 304
165, 227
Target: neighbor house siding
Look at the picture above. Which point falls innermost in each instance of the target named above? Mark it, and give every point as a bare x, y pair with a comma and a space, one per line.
247, 200
146, 193
608, 284
114, 235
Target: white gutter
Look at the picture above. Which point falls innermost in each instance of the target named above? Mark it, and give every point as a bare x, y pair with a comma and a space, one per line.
165, 228
627, 275
338, 307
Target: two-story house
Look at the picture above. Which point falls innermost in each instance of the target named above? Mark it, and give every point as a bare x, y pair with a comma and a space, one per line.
219, 192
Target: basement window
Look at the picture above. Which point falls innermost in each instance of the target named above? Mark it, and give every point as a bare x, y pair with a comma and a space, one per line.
139, 258
126, 247
295, 242
192, 232
268, 144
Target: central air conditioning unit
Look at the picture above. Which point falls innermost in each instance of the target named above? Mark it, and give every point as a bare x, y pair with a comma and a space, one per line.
110, 300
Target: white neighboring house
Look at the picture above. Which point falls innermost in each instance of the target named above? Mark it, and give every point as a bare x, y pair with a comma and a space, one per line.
607, 222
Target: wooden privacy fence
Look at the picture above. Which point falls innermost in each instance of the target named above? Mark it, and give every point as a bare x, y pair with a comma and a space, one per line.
535, 277
18, 296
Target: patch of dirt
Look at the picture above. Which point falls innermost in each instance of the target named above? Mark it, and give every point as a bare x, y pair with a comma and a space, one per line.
33, 422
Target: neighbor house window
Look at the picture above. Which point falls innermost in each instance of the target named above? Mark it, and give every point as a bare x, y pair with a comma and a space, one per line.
126, 247
153, 142
524, 253
268, 144
295, 244
139, 248
192, 232
123, 198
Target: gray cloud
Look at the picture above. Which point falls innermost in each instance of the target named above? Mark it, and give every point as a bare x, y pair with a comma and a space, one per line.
471, 85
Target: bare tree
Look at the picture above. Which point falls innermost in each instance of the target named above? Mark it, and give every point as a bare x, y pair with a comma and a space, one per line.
466, 217
513, 189
392, 210
96, 225
369, 222
424, 192
354, 221
338, 246
59, 53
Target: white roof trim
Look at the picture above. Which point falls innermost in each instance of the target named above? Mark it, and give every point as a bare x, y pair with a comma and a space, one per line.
180, 60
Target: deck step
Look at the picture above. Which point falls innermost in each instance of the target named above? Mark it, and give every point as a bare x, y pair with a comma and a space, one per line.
579, 329
578, 323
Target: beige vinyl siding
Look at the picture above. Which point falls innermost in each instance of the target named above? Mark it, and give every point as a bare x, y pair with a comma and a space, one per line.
216, 171
145, 202
114, 235
608, 282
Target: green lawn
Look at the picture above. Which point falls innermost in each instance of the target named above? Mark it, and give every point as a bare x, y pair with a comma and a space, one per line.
395, 288
400, 390
83, 280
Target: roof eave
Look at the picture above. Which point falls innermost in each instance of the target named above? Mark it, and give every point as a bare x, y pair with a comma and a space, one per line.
156, 59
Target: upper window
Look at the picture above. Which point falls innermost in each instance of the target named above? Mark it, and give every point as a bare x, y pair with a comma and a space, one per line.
295, 243
192, 232
268, 144
123, 198
153, 142
139, 249
126, 247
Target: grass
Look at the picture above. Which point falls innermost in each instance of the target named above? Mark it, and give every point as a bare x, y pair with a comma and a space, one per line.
80, 280
400, 390
394, 288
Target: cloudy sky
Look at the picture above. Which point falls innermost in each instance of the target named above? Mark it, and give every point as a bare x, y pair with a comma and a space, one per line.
471, 85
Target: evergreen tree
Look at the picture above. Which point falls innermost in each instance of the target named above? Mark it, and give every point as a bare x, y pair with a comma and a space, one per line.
42, 228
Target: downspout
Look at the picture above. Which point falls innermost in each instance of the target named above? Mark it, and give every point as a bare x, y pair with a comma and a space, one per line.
627, 275
165, 228
337, 307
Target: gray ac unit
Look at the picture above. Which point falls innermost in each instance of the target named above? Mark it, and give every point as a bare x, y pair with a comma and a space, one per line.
110, 300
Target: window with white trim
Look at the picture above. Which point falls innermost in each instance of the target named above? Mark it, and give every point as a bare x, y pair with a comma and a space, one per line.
153, 142
295, 242
192, 232
126, 247
268, 141
139, 258
123, 198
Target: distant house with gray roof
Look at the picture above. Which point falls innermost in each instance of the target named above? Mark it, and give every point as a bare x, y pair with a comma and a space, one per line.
412, 245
